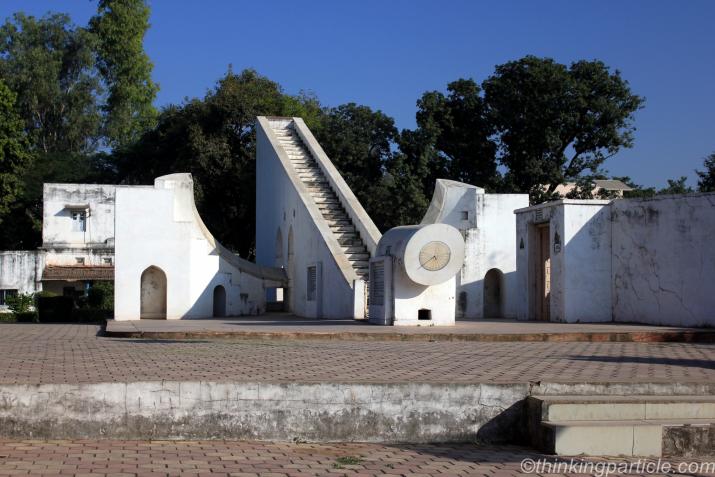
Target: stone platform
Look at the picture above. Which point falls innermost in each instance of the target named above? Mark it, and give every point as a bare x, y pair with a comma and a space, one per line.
285, 326
69, 381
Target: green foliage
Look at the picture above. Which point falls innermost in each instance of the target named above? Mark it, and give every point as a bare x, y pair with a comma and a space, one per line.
26, 317
49, 64
360, 142
214, 139
459, 133
14, 155
101, 296
638, 190
706, 183
20, 303
342, 461
119, 28
676, 186
555, 122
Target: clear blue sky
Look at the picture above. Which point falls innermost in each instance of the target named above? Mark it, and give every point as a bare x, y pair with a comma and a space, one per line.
385, 54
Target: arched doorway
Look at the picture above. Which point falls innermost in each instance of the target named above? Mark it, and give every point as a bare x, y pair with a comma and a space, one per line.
153, 294
493, 294
219, 301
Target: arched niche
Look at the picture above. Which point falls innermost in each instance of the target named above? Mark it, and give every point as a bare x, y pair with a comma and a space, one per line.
153, 294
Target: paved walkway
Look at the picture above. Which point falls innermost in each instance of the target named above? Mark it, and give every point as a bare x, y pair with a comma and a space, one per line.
44, 353
289, 326
254, 459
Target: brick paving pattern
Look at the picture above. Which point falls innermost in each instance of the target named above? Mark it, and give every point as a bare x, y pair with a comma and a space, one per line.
268, 459
37, 354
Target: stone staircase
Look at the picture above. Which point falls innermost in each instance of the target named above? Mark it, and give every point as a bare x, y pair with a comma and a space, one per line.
327, 201
652, 426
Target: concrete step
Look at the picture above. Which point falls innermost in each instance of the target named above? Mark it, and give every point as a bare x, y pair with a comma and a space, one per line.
359, 263
646, 438
335, 215
605, 408
358, 257
329, 207
349, 240
326, 200
344, 222
342, 228
354, 249
636, 425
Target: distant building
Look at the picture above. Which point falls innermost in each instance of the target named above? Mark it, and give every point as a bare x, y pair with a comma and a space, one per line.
77, 244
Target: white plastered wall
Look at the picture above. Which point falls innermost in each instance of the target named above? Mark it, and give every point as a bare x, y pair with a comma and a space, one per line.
579, 249
159, 226
664, 260
282, 206
490, 240
21, 270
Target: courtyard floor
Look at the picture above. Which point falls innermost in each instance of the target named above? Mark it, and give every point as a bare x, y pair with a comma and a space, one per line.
268, 459
71, 353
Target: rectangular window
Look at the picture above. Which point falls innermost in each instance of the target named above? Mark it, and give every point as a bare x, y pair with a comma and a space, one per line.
465, 215
312, 282
79, 221
80, 260
107, 260
5, 294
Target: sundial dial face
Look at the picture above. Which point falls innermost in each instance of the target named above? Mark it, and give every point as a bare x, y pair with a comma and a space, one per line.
434, 256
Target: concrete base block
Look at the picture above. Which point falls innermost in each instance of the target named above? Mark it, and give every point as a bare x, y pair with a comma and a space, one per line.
413, 413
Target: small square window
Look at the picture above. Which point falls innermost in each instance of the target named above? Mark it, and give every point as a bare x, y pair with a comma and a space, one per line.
107, 260
5, 294
465, 215
79, 221
80, 260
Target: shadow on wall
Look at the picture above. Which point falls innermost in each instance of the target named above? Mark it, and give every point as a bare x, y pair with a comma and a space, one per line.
486, 298
213, 299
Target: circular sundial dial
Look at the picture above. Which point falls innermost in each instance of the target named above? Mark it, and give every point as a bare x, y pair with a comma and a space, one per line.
434, 256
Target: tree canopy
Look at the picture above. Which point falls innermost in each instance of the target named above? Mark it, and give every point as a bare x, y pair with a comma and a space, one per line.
214, 139
706, 183
77, 104
49, 64
14, 154
119, 29
555, 122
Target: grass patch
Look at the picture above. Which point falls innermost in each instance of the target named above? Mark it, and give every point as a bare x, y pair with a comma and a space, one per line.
346, 460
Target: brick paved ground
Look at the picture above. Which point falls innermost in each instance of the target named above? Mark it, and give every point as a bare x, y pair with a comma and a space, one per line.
220, 458
74, 354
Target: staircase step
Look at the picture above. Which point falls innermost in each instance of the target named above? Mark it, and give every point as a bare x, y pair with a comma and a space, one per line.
354, 249
623, 425
624, 437
600, 408
359, 263
358, 257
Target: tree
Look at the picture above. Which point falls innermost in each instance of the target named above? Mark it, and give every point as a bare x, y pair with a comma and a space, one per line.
555, 122
676, 186
214, 139
119, 28
460, 132
360, 143
49, 64
706, 183
637, 191
14, 155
